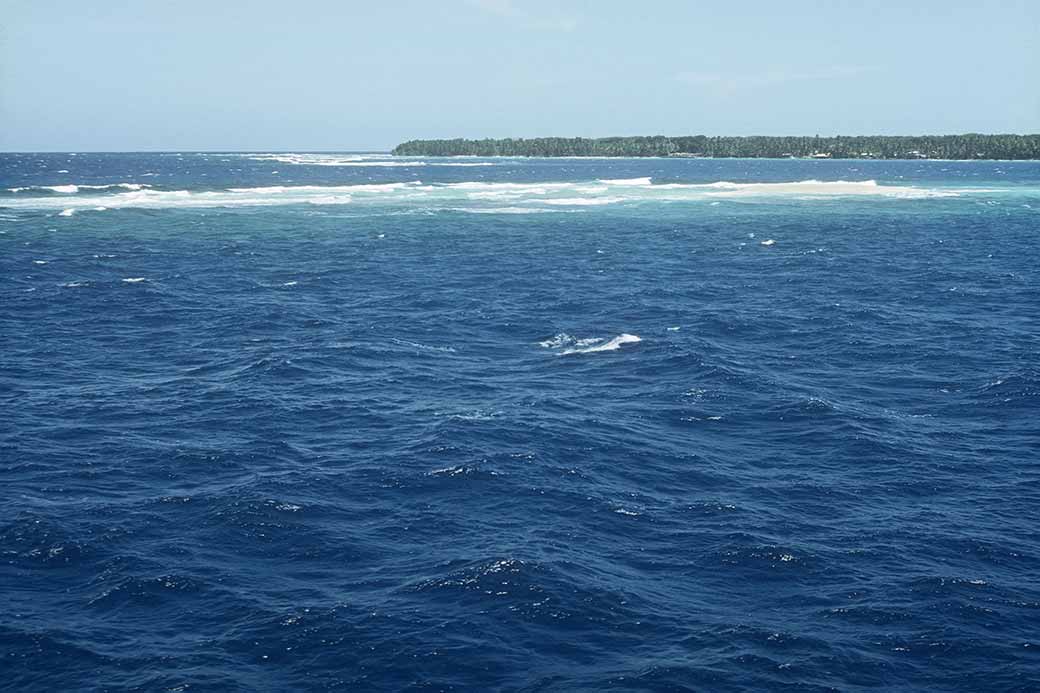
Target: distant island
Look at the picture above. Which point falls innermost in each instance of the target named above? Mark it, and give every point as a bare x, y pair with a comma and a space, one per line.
970, 146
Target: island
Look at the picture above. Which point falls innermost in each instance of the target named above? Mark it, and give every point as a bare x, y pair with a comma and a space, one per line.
958, 147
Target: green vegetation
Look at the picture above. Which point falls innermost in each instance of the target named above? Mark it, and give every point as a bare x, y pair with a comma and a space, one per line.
971, 146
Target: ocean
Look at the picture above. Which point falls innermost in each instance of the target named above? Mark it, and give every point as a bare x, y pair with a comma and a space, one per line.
308, 422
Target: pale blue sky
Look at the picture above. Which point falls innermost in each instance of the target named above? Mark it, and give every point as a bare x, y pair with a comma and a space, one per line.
349, 75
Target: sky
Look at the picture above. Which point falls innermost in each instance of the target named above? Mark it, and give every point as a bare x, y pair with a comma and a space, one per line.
341, 75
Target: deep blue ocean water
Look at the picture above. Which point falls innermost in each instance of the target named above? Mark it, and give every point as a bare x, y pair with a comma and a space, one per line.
346, 422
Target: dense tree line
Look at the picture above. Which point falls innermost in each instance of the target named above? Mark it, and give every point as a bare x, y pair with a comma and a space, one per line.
970, 146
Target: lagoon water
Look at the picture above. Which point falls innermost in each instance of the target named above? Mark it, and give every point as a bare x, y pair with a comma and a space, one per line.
279, 422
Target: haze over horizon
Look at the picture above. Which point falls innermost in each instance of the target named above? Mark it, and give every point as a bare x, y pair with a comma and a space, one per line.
354, 76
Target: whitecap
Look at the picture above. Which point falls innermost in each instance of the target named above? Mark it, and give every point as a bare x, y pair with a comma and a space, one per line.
134, 280
326, 189
73, 188
423, 347
556, 341
335, 160
580, 201
769, 241
513, 198
124, 186
612, 345
330, 200
566, 344
627, 181
503, 210
501, 194
447, 471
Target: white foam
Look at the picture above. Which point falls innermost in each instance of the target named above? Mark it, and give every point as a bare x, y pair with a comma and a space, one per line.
325, 189
334, 160
816, 188
134, 280
566, 344
238, 197
527, 188
423, 347
470, 196
581, 201
66, 212
613, 345
503, 210
627, 181
360, 160
73, 188
330, 200
556, 341
124, 186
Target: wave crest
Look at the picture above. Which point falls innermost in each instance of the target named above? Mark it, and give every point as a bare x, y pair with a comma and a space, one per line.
565, 344
478, 196
73, 188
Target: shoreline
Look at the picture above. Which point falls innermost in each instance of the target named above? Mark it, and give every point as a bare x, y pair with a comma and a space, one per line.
390, 154
957, 147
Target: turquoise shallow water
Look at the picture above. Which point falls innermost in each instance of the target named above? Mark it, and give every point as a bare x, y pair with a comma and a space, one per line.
312, 422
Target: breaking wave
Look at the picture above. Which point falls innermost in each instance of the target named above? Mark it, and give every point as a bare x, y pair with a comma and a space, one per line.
481, 196
358, 160
72, 188
564, 344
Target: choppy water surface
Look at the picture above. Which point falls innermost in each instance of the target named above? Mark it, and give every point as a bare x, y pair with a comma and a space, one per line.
307, 422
